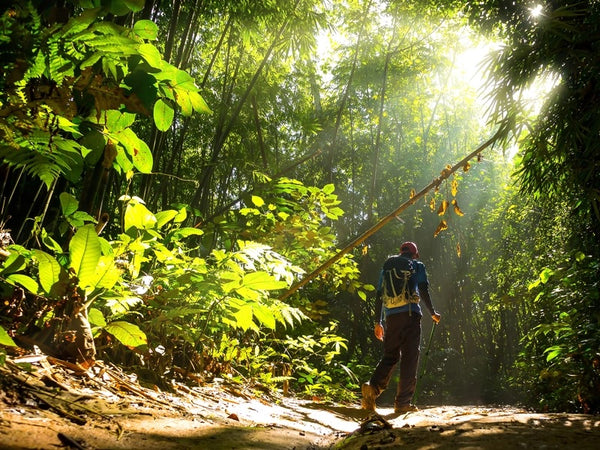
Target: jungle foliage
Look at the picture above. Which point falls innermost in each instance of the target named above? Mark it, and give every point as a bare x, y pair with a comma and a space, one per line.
169, 169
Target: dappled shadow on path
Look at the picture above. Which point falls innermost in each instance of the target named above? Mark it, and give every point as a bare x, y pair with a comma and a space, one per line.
479, 428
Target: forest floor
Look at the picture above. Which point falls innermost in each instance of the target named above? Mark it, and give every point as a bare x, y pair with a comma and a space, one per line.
51, 407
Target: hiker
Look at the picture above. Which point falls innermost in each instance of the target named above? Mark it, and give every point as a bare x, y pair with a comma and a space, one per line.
402, 285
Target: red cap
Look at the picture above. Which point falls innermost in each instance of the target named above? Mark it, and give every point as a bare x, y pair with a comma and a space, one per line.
410, 247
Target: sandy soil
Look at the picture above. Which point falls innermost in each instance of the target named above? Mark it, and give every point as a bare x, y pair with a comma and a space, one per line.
41, 412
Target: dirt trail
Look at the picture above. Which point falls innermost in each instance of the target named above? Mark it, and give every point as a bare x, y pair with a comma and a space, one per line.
120, 414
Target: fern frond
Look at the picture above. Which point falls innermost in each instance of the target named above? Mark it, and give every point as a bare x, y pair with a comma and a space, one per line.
44, 160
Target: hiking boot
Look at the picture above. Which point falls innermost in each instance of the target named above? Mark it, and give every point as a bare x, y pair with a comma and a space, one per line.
369, 395
405, 408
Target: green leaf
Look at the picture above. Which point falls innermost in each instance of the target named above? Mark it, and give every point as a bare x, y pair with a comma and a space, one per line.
122, 161
163, 115
118, 121
127, 333
80, 217
48, 270
5, 339
553, 352
142, 157
198, 103
91, 60
151, 54
264, 315
184, 80
135, 5
80, 22
164, 217
248, 294
96, 318
138, 216
262, 281
184, 102
27, 282
95, 142
328, 188
185, 232
146, 29
181, 216
13, 263
84, 250
107, 274
144, 86
243, 317
546, 274
50, 243
258, 201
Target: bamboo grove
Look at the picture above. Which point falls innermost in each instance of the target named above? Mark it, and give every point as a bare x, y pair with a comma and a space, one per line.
170, 169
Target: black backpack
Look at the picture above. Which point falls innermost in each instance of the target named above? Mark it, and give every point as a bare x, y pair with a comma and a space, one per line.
397, 290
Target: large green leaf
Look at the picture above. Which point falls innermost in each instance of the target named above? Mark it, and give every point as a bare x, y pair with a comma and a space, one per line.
142, 157
262, 281
26, 281
127, 333
48, 270
243, 317
163, 115
68, 203
84, 249
96, 318
164, 217
107, 273
138, 216
118, 121
144, 86
146, 29
198, 103
151, 54
264, 315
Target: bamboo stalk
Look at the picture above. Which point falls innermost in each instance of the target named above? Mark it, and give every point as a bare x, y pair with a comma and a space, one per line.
375, 228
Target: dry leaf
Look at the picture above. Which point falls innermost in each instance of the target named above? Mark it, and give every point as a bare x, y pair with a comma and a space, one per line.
458, 250
454, 188
457, 209
432, 204
467, 166
441, 227
412, 193
443, 207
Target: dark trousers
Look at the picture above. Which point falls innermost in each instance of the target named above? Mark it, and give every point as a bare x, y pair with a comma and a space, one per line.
401, 342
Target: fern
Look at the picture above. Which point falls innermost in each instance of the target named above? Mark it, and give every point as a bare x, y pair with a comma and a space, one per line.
44, 160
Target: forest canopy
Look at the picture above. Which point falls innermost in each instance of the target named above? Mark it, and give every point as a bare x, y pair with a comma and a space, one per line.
171, 168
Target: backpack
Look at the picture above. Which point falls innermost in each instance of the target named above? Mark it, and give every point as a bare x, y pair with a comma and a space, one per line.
397, 290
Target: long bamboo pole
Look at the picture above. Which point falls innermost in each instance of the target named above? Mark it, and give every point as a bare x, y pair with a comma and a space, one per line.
375, 228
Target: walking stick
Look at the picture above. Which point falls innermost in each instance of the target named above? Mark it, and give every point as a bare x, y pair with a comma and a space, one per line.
424, 361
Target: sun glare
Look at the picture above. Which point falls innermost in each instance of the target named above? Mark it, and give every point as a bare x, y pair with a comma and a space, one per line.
536, 11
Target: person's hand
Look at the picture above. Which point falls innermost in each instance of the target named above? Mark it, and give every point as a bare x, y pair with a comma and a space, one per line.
379, 331
436, 317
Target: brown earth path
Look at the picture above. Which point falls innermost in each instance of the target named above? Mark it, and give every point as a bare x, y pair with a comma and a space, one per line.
120, 414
